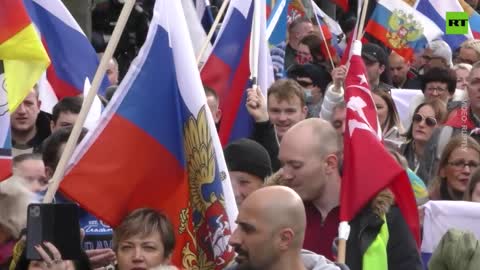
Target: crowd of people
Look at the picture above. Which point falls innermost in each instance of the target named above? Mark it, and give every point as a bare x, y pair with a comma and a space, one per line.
286, 177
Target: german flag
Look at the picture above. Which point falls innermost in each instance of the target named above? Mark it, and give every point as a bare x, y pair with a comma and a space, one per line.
24, 57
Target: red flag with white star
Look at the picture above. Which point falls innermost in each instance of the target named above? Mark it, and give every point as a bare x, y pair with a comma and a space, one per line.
368, 167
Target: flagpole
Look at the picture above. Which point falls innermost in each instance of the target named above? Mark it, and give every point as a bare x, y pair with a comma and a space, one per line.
323, 38
255, 43
88, 101
220, 13
362, 19
344, 227
361, 13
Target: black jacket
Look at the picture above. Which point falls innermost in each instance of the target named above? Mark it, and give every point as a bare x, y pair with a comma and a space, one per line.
264, 134
402, 251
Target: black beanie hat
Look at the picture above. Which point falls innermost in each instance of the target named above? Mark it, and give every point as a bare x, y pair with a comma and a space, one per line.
245, 155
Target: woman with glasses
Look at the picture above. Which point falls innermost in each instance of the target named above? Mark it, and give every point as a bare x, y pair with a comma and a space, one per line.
460, 157
427, 116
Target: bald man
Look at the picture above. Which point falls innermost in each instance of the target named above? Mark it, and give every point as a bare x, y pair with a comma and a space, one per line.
270, 233
400, 70
311, 168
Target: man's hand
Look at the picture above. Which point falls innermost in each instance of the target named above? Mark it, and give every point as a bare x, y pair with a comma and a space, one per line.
256, 105
338, 76
100, 257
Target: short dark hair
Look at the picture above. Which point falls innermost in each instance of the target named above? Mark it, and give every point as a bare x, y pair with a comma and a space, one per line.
143, 222
51, 146
67, 104
442, 75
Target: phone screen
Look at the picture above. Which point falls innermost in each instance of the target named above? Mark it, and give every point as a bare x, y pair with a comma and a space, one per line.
54, 223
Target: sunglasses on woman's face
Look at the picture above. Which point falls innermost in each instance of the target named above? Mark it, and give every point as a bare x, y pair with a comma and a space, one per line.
430, 121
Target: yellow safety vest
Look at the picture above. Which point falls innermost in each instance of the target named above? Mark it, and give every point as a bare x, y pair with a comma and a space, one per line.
375, 258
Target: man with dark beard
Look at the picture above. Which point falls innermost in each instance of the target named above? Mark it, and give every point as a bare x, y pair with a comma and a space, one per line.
270, 233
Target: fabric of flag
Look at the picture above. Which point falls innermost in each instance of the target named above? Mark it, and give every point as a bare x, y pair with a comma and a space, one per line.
437, 10
227, 69
277, 23
167, 153
23, 55
197, 32
204, 13
346, 53
269, 5
362, 179
296, 9
343, 4
401, 27
5, 136
440, 216
473, 20
74, 60
338, 39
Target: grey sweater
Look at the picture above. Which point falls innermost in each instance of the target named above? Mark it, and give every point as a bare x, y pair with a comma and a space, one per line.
311, 261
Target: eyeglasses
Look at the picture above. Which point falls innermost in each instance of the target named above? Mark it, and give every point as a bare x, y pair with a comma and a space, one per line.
461, 164
438, 89
430, 121
305, 84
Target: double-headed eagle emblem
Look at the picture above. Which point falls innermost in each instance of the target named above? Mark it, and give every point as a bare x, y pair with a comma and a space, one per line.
403, 28
207, 224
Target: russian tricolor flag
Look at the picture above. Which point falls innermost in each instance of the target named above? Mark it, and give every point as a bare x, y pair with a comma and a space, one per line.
157, 147
401, 27
475, 25
73, 58
437, 10
227, 69
474, 21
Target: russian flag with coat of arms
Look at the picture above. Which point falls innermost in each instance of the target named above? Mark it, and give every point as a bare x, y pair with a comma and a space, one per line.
156, 146
402, 28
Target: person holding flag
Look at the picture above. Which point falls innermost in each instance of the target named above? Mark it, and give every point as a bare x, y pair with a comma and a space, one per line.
313, 171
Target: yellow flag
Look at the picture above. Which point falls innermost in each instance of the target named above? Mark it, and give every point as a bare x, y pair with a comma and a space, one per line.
24, 57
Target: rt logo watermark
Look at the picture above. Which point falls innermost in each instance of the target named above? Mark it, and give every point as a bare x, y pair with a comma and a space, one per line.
457, 23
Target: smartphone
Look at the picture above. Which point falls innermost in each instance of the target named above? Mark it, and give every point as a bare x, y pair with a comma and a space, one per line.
57, 224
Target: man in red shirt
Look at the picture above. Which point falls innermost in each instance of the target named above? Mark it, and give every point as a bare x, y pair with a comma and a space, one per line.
311, 168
